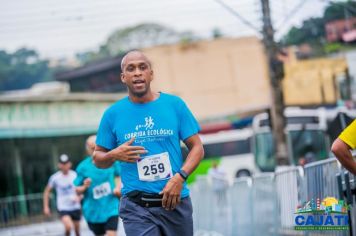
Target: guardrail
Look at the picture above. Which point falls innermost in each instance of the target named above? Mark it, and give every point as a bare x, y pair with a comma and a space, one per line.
320, 179
347, 192
265, 204
241, 195
23, 209
289, 183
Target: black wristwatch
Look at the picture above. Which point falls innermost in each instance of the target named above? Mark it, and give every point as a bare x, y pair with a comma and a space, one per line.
183, 174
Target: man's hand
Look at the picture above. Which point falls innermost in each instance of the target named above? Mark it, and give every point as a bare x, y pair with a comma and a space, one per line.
127, 153
117, 192
81, 189
87, 182
47, 211
171, 192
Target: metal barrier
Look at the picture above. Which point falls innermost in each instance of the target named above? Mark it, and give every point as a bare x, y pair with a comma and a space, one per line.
211, 208
265, 204
289, 195
353, 217
201, 199
237, 211
241, 207
320, 179
24, 209
347, 192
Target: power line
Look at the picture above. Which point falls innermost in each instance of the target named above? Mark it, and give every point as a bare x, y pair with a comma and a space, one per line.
66, 34
117, 7
235, 13
93, 17
291, 14
95, 21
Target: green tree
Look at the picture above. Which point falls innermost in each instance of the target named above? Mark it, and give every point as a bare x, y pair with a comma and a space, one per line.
21, 69
339, 10
312, 30
135, 37
141, 36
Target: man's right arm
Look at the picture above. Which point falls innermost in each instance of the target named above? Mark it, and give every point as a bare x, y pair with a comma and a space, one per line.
46, 193
344, 155
82, 188
104, 158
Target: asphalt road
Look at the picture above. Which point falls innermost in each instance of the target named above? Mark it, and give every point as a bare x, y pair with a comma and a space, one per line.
54, 228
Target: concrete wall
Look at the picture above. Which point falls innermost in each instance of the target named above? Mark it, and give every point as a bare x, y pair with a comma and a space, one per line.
215, 78
229, 76
312, 82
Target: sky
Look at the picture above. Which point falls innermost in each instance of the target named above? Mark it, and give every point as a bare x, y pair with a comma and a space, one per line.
59, 29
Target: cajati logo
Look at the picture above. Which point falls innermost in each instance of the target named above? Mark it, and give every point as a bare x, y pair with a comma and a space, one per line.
327, 214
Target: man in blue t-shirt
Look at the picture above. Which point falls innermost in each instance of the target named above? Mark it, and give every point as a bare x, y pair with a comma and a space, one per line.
100, 204
143, 132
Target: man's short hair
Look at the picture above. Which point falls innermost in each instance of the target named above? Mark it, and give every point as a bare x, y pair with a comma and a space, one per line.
132, 51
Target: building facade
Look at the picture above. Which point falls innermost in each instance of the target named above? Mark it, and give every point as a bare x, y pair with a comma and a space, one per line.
341, 30
35, 130
102, 76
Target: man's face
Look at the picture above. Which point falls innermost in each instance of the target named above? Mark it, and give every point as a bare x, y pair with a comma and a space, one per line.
137, 74
65, 167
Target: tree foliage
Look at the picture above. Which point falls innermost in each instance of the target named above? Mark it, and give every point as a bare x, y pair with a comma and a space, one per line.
21, 69
312, 31
136, 37
339, 10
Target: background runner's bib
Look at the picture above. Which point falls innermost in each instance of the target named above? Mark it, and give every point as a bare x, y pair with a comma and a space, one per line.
155, 167
101, 190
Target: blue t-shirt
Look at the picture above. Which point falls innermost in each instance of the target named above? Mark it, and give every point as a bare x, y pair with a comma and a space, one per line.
158, 126
99, 202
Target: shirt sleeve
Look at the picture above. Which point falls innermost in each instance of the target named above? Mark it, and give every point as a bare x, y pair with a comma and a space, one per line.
188, 124
349, 135
105, 136
79, 180
51, 182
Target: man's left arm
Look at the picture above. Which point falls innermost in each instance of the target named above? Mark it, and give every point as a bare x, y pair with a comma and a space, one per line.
343, 154
172, 190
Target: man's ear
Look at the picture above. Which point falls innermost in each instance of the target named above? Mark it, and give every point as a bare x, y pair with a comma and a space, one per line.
152, 77
122, 77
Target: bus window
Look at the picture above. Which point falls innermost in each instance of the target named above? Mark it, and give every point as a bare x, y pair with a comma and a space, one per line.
308, 142
232, 149
264, 151
305, 132
236, 147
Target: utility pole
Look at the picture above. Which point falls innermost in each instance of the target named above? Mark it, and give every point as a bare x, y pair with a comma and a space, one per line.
275, 68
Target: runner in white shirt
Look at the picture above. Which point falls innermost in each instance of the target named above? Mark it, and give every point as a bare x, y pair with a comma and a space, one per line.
68, 202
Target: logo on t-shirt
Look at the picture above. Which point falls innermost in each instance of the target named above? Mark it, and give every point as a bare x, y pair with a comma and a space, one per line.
66, 189
145, 132
148, 124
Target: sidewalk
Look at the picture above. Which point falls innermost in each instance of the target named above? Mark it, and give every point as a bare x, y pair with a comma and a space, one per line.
54, 228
